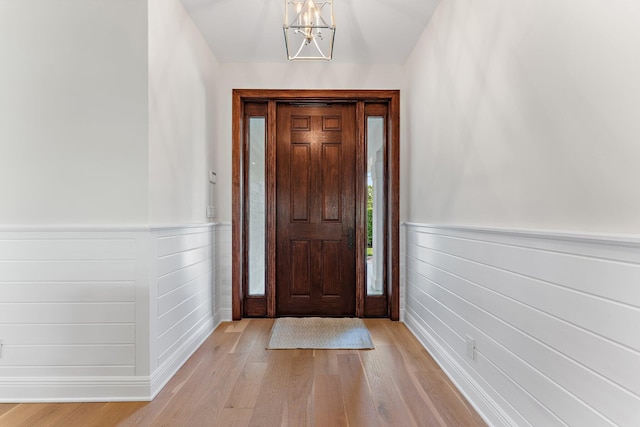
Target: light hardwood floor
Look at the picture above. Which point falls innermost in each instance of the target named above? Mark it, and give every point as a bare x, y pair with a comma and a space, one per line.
233, 381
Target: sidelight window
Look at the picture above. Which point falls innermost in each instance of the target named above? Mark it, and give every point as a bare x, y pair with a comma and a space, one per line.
375, 206
256, 239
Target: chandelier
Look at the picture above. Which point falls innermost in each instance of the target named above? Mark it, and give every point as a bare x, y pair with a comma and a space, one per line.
309, 29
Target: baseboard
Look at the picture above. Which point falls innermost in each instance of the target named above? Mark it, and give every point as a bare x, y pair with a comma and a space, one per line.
168, 369
74, 389
223, 315
486, 407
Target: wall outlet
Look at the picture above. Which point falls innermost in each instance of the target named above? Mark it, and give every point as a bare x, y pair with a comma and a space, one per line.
471, 347
212, 177
211, 211
0, 347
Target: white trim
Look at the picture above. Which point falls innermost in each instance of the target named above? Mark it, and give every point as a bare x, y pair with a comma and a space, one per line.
98, 228
602, 238
73, 228
178, 227
74, 389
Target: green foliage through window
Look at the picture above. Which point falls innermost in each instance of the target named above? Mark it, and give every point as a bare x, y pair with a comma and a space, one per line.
369, 217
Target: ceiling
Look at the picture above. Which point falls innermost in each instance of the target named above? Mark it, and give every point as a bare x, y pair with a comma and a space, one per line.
367, 31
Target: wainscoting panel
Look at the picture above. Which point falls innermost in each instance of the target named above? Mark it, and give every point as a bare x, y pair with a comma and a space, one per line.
223, 272
185, 304
102, 314
554, 319
185, 297
403, 270
67, 308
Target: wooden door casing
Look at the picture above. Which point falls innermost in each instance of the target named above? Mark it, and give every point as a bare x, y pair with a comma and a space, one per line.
315, 210
365, 100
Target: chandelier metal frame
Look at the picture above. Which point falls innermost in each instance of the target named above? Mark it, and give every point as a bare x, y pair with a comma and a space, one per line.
304, 23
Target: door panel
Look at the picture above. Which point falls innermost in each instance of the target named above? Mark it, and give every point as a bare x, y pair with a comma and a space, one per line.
331, 267
315, 210
300, 182
331, 181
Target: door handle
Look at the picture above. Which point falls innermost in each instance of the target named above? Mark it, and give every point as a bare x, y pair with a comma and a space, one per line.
351, 236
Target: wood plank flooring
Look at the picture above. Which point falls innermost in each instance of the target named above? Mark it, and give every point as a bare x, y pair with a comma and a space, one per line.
232, 380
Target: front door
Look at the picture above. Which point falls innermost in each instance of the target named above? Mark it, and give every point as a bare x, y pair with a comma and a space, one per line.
315, 210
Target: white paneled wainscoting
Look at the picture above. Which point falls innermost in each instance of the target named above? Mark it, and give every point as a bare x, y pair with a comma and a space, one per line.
105, 314
223, 272
535, 328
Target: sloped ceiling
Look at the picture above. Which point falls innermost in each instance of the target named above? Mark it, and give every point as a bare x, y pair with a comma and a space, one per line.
367, 31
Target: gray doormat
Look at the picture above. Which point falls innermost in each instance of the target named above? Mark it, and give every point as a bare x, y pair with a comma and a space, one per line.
319, 333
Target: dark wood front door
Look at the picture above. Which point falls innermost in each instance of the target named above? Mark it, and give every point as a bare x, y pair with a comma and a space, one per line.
315, 210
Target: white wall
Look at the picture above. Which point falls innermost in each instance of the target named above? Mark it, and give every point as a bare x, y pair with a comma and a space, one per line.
103, 131
182, 116
73, 112
524, 114
107, 113
293, 75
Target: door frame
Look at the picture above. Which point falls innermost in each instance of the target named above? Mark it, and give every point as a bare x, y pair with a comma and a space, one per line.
271, 97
